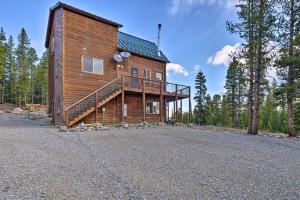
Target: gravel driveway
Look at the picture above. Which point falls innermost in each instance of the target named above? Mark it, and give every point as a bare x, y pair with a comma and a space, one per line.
38, 162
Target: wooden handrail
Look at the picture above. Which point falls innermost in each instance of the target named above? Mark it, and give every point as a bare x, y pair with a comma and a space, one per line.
91, 94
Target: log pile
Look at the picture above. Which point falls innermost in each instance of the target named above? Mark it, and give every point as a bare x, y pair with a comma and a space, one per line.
36, 107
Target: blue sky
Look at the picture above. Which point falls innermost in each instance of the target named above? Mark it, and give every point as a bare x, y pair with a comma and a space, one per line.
193, 35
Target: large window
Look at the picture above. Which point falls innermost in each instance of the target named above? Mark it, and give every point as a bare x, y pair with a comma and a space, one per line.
152, 107
147, 74
92, 65
159, 76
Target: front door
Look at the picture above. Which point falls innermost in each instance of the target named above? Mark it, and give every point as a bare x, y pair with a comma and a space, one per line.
134, 80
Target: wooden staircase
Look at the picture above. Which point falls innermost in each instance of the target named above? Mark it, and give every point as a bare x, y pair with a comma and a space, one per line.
92, 102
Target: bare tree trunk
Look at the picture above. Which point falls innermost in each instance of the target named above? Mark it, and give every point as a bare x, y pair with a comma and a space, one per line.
290, 89
251, 70
258, 71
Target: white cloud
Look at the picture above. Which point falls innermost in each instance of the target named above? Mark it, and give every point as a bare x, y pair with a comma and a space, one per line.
223, 56
179, 6
197, 68
177, 69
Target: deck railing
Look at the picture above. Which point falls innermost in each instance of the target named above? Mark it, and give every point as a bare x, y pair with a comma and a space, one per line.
135, 83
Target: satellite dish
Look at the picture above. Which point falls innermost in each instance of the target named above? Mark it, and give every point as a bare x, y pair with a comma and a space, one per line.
118, 58
125, 54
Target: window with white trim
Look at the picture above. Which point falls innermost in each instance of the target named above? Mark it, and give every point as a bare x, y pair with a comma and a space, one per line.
92, 65
152, 107
147, 74
159, 76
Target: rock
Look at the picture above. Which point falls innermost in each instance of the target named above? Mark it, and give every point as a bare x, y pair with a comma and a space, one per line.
145, 123
1, 111
73, 129
17, 111
98, 125
63, 129
7, 111
162, 124
124, 124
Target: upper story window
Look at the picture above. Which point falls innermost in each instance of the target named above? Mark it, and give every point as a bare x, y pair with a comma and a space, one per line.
159, 76
92, 65
147, 74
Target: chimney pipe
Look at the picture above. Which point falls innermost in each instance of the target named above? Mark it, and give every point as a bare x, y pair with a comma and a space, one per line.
158, 40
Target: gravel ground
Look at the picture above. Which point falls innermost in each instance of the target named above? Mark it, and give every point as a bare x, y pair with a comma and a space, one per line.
39, 162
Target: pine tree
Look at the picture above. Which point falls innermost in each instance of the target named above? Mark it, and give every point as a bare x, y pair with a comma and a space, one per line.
287, 64
32, 58
23, 67
256, 27
199, 110
245, 28
40, 78
11, 66
2, 63
225, 110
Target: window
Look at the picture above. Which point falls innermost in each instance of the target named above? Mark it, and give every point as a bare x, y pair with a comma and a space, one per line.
92, 65
159, 76
147, 74
152, 107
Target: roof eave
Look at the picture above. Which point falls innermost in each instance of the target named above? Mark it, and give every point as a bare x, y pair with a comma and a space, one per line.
145, 56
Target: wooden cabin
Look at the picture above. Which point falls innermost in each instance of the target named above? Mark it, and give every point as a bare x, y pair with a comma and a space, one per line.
87, 84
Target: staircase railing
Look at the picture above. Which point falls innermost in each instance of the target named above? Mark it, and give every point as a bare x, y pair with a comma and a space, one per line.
92, 100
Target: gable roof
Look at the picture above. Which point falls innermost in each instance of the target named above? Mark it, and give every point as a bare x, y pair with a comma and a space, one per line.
140, 47
78, 11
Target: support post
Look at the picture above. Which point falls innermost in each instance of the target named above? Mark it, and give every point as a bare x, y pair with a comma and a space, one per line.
161, 103
122, 101
144, 100
181, 110
96, 107
176, 105
67, 118
190, 106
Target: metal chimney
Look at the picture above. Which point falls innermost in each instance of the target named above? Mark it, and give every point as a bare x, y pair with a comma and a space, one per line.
158, 40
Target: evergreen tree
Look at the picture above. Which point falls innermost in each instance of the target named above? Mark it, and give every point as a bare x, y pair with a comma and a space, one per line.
32, 58
199, 110
2, 63
40, 78
23, 67
256, 27
226, 119
234, 89
288, 63
11, 66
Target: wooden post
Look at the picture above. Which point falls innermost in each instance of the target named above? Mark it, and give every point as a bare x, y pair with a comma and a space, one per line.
181, 110
190, 106
161, 104
67, 118
144, 100
176, 105
122, 101
96, 107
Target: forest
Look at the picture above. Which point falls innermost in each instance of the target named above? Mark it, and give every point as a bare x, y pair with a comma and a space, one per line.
23, 76
270, 31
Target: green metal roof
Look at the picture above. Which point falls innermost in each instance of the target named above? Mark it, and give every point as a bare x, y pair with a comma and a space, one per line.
139, 46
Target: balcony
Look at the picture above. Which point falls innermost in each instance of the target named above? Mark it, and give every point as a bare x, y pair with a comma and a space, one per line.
140, 85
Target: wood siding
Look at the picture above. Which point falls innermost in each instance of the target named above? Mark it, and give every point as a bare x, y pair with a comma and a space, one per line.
55, 98
85, 36
113, 112
143, 63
